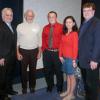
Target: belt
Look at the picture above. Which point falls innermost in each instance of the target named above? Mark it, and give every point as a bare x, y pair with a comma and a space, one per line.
53, 50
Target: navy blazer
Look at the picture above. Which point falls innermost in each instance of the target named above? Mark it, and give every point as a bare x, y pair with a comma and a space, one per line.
8, 40
89, 43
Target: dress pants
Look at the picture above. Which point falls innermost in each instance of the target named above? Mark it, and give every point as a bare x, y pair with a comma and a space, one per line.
3, 91
29, 59
91, 83
7, 75
53, 66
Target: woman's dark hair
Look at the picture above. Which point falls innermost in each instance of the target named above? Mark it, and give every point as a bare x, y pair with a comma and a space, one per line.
74, 28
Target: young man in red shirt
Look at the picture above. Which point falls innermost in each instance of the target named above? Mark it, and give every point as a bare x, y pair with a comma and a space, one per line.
51, 37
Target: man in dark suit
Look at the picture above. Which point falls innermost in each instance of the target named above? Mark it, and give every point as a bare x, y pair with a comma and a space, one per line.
7, 53
89, 51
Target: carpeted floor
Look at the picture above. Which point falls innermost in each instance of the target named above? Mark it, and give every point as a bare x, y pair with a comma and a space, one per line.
41, 95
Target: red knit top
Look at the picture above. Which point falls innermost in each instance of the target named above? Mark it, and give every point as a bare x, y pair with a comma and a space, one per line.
69, 46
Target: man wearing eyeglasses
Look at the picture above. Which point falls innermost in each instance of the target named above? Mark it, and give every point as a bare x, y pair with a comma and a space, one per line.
89, 51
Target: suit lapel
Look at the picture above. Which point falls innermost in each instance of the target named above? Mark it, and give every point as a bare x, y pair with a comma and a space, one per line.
14, 30
83, 31
8, 28
87, 29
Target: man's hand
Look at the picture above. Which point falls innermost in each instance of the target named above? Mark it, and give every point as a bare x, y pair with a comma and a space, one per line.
93, 65
39, 55
19, 56
2, 62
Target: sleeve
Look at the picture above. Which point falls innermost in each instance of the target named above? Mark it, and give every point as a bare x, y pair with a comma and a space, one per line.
40, 37
1, 38
60, 48
18, 36
75, 45
96, 45
43, 39
61, 35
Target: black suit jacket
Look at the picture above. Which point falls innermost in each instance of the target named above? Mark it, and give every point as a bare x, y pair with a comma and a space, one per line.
8, 40
89, 43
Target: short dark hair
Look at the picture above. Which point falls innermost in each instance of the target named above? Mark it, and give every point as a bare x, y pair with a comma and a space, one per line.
74, 28
53, 13
88, 5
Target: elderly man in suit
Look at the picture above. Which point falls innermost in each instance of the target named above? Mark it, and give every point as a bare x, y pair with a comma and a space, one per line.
89, 51
7, 53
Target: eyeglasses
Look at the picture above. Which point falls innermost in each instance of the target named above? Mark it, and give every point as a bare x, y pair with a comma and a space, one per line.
87, 10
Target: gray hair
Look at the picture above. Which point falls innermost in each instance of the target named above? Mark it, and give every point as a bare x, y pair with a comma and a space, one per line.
3, 12
27, 11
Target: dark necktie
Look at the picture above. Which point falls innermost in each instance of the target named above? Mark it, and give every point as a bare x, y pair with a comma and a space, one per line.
50, 41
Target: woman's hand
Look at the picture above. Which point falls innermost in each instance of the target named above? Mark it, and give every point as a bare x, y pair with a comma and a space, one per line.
74, 63
61, 59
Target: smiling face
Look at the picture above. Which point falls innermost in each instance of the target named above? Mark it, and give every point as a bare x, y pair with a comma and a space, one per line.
52, 18
7, 16
29, 16
69, 24
88, 13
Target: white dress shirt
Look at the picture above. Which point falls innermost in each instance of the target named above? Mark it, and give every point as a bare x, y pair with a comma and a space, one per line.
28, 36
10, 27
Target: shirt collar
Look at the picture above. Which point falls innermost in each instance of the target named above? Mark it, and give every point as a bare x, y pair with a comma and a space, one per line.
88, 20
8, 24
53, 24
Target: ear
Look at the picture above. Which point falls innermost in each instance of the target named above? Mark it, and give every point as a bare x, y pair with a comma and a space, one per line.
93, 11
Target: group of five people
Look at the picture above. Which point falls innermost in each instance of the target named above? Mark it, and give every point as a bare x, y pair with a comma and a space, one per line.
63, 46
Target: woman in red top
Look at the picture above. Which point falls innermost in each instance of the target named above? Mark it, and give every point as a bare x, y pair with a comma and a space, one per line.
68, 54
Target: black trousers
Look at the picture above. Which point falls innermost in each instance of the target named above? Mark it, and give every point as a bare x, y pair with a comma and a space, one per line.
91, 83
52, 65
29, 59
7, 75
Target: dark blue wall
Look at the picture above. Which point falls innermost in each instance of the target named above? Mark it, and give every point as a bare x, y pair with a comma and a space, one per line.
17, 6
